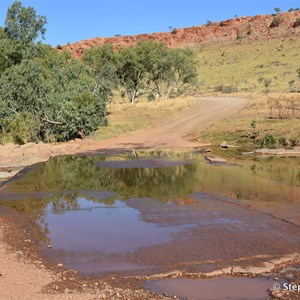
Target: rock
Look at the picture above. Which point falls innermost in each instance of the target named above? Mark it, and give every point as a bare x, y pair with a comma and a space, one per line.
60, 265
202, 151
49, 246
215, 273
4, 174
289, 276
279, 152
266, 268
224, 145
215, 159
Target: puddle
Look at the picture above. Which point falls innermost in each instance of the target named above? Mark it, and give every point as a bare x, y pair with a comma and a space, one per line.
96, 227
213, 289
125, 213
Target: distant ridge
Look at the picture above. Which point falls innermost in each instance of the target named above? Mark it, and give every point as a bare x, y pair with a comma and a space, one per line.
227, 31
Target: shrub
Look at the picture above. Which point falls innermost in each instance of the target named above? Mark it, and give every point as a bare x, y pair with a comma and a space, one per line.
174, 31
223, 24
225, 89
293, 141
268, 141
275, 22
208, 22
23, 129
151, 97
283, 142
297, 22
239, 36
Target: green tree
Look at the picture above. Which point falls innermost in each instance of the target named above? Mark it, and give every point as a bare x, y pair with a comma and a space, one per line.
154, 57
184, 70
277, 10
57, 92
131, 72
103, 61
23, 24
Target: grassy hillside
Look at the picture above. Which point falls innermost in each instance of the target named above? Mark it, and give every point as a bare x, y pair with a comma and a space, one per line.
250, 65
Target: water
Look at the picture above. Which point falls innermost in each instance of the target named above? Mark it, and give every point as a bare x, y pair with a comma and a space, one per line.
155, 210
214, 289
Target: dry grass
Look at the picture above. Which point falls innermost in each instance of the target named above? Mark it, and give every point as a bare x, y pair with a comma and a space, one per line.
268, 116
250, 66
128, 117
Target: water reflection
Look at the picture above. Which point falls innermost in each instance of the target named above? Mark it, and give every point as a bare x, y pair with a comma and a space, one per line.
86, 196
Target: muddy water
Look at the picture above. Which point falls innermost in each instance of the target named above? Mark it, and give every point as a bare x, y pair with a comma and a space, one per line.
214, 289
156, 211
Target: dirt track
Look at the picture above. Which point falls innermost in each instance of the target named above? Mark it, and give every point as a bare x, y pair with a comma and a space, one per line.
169, 134
174, 133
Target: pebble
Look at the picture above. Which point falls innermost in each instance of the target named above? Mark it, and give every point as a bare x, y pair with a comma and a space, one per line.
60, 265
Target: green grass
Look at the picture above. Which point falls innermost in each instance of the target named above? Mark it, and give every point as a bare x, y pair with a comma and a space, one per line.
250, 65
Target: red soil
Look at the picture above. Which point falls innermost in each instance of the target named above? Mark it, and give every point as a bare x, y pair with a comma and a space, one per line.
250, 28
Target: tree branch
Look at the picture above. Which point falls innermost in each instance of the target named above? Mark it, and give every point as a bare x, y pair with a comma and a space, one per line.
51, 122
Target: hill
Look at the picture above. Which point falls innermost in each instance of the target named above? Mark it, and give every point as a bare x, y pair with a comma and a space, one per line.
259, 27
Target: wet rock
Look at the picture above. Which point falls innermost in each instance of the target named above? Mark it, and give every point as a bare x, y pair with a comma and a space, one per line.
215, 159
289, 276
267, 268
224, 145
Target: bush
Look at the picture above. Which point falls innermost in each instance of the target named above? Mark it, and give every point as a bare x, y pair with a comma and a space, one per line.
283, 142
225, 89
239, 36
268, 141
174, 31
293, 141
223, 24
23, 129
275, 22
297, 22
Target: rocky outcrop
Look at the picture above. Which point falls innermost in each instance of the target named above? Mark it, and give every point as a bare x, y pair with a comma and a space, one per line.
238, 29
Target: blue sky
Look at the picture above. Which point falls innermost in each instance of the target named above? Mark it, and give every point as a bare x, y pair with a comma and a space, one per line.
74, 20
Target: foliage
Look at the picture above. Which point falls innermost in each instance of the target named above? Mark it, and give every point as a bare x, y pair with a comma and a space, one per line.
103, 61
147, 68
23, 24
130, 72
283, 142
268, 141
275, 22
225, 89
183, 69
277, 10
45, 95
293, 141
297, 22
